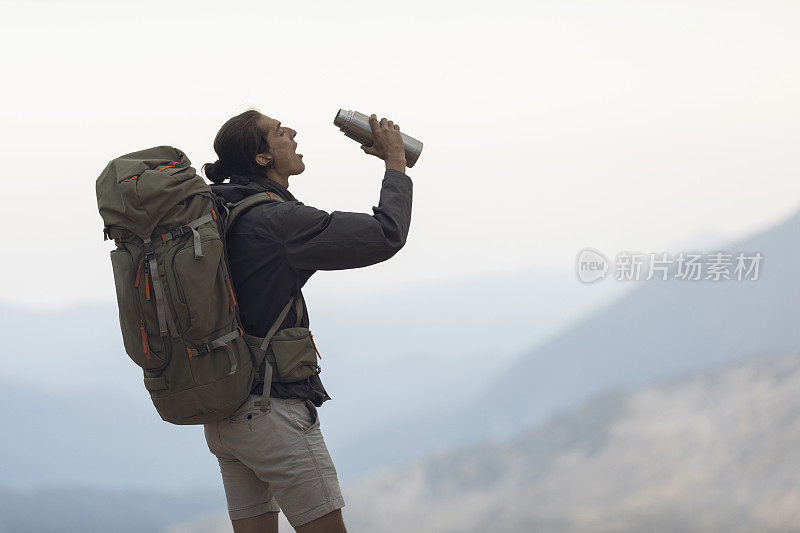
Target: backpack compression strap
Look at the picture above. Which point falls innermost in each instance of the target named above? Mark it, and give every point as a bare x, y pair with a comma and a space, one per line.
164, 316
191, 226
165, 322
221, 342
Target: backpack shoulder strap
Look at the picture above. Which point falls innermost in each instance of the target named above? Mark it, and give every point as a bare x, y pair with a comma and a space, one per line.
241, 207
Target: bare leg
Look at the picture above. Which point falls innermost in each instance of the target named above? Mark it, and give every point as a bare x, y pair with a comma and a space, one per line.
330, 523
263, 523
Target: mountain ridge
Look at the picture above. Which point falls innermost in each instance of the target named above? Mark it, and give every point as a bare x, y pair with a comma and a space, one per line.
656, 330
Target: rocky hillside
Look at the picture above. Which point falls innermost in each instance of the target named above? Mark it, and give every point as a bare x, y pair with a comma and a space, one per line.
713, 452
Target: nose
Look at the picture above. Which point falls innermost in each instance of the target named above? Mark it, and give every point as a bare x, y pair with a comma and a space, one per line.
292, 133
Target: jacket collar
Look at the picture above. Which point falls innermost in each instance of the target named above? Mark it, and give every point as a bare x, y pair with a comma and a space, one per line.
264, 183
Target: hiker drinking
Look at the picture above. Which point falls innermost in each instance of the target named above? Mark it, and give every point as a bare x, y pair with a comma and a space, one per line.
271, 452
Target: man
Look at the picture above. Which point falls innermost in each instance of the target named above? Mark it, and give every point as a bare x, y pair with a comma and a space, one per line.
278, 459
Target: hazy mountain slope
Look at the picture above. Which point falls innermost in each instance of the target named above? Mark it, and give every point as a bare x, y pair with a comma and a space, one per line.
80, 510
71, 396
661, 329
657, 330
373, 343
83, 344
714, 452
97, 439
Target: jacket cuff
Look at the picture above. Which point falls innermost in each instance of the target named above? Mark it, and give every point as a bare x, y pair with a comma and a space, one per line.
393, 172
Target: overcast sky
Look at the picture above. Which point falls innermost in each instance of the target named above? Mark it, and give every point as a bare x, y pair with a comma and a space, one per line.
547, 128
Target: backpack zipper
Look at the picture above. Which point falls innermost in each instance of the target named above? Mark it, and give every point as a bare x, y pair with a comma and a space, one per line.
315, 345
138, 272
233, 298
145, 344
144, 265
146, 279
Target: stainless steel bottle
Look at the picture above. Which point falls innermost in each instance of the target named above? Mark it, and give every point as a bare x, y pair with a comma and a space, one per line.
356, 126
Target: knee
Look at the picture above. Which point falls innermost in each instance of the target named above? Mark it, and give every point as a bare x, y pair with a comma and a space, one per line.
263, 523
329, 523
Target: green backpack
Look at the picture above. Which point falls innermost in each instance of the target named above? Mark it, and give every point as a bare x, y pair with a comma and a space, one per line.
177, 307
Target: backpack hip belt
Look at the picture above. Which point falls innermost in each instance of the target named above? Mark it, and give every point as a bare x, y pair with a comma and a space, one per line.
284, 356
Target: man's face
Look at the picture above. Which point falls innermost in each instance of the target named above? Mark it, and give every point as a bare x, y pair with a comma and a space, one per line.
282, 147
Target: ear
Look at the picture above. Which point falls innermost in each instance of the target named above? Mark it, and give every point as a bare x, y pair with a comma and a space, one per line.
263, 159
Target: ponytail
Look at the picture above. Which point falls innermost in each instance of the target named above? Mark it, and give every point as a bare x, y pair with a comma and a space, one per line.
237, 143
216, 172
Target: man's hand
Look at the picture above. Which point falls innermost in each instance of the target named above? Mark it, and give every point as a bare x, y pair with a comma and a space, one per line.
388, 144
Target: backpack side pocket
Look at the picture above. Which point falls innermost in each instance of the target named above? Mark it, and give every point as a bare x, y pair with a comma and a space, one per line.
141, 347
200, 287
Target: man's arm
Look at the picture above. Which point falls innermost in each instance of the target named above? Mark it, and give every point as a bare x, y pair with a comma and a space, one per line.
313, 239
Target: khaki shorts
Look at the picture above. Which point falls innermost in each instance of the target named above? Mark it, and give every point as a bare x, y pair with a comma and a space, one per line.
275, 461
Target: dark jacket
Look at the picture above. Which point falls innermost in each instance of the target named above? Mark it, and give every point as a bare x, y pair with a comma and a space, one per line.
274, 249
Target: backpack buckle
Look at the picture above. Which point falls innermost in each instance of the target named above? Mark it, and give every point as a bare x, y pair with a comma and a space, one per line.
205, 348
180, 231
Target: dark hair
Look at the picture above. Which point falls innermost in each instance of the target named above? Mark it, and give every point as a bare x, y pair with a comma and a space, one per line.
237, 143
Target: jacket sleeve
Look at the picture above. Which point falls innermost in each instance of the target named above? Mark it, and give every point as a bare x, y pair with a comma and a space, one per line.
316, 240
